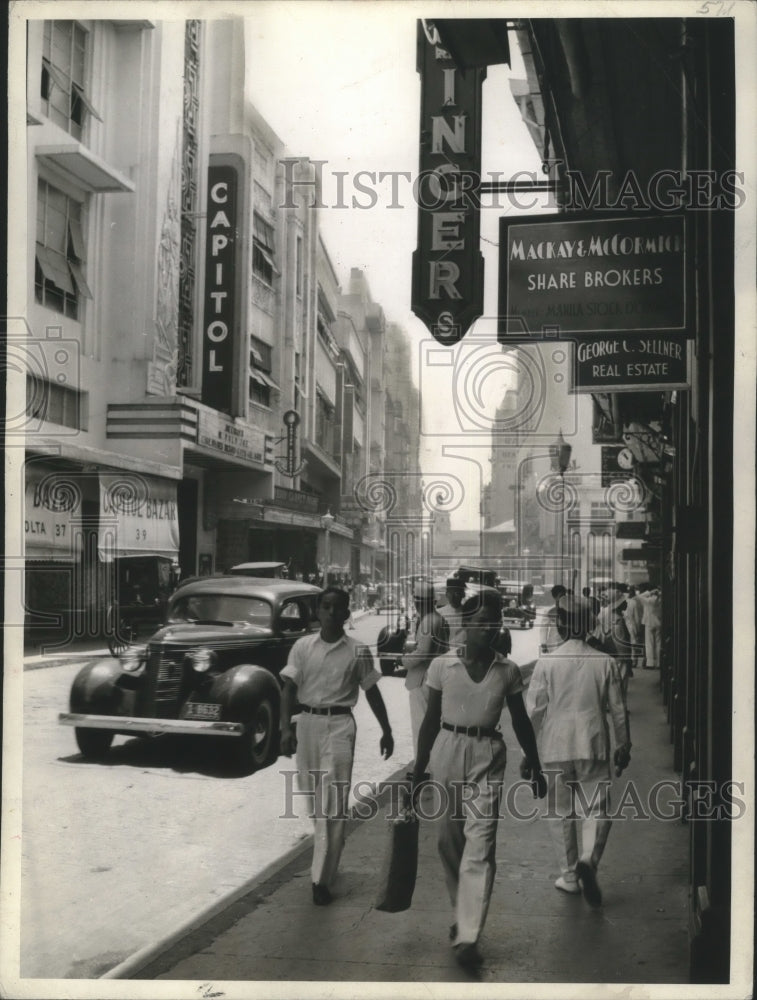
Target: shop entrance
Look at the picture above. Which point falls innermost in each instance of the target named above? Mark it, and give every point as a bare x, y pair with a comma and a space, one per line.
294, 546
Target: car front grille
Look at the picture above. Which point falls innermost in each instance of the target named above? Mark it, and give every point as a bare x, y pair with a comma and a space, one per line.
164, 681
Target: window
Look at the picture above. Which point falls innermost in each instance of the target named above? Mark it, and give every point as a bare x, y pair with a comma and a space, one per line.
324, 424
64, 66
59, 279
56, 404
261, 363
262, 249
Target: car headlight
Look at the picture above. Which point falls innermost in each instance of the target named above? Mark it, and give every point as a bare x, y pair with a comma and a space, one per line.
202, 659
132, 658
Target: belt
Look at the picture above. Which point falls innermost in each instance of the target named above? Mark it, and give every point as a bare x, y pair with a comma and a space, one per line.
332, 710
479, 732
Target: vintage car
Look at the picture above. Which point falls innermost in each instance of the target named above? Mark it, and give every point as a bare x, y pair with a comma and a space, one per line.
210, 671
274, 570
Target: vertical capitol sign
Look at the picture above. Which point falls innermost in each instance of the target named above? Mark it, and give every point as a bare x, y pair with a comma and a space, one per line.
448, 268
218, 332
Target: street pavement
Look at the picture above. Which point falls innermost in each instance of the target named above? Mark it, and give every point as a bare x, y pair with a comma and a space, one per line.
534, 933
260, 925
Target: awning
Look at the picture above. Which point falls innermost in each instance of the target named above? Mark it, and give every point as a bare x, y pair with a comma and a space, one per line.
138, 516
52, 516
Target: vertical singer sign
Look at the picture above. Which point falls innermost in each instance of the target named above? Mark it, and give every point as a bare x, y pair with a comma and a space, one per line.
220, 259
448, 269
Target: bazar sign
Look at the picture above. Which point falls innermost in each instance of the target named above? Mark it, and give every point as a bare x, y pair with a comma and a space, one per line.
220, 253
562, 276
632, 363
138, 515
448, 268
233, 441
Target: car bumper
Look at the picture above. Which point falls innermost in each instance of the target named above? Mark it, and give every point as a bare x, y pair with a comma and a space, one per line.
151, 727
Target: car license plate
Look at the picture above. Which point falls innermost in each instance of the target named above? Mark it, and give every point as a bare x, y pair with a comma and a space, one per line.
202, 710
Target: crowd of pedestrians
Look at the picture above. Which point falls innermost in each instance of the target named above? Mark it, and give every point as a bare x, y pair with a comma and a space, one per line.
459, 678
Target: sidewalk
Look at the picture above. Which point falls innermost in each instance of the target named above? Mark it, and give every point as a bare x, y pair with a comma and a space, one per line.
534, 933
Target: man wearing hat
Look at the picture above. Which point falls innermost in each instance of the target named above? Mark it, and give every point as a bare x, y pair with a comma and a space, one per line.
572, 690
451, 612
431, 640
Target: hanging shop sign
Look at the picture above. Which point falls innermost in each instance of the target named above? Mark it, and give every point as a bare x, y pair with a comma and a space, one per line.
138, 515
220, 266
448, 268
236, 442
52, 516
615, 464
290, 467
563, 276
637, 364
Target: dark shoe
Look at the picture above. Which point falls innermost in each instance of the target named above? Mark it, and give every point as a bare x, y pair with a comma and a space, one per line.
452, 932
468, 956
321, 894
425, 777
587, 879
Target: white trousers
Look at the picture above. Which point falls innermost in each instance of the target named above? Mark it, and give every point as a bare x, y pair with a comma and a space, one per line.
418, 705
593, 777
467, 831
637, 641
325, 752
652, 645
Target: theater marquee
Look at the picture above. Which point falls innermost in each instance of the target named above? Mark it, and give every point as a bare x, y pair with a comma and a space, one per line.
564, 277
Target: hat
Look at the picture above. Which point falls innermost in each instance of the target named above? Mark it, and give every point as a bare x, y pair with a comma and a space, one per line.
423, 591
455, 583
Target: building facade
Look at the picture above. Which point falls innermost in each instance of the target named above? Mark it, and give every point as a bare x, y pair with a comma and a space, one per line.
199, 389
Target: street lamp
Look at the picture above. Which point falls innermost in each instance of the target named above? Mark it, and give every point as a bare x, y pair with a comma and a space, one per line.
560, 458
327, 520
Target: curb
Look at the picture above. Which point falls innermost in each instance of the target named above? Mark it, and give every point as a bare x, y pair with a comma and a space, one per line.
136, 962
150, 953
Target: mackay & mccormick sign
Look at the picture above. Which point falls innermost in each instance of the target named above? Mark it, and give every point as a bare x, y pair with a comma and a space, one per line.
562, 276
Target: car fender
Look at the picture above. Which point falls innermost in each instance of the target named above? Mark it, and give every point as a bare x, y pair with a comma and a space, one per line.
240, 690
95, 688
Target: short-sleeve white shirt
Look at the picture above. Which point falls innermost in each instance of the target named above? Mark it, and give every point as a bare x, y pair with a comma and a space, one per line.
466, 702
330, 673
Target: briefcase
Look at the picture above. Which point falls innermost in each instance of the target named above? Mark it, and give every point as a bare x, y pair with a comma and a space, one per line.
397, 878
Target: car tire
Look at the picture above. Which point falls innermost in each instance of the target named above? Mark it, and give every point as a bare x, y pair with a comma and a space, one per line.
259, 745
93, 743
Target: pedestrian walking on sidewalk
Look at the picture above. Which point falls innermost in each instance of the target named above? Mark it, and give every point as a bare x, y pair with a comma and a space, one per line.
324, 673
432, 639
652, 619
611, 633
572, 690
634, 615
451, 612
467, 691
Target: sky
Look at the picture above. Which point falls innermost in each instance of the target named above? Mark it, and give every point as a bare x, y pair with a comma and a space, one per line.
338, 82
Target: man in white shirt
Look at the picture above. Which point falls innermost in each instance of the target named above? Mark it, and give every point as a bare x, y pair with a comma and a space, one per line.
652, 620
451, 611
634, 620
467, 691
432, 639
572, 690
325, 672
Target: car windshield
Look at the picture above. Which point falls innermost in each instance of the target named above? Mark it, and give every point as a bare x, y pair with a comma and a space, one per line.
221, 608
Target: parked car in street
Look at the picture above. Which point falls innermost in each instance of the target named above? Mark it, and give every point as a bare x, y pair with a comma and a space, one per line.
275, 570
210, 671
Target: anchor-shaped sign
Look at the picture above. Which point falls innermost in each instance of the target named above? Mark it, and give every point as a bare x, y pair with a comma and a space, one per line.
287, 468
